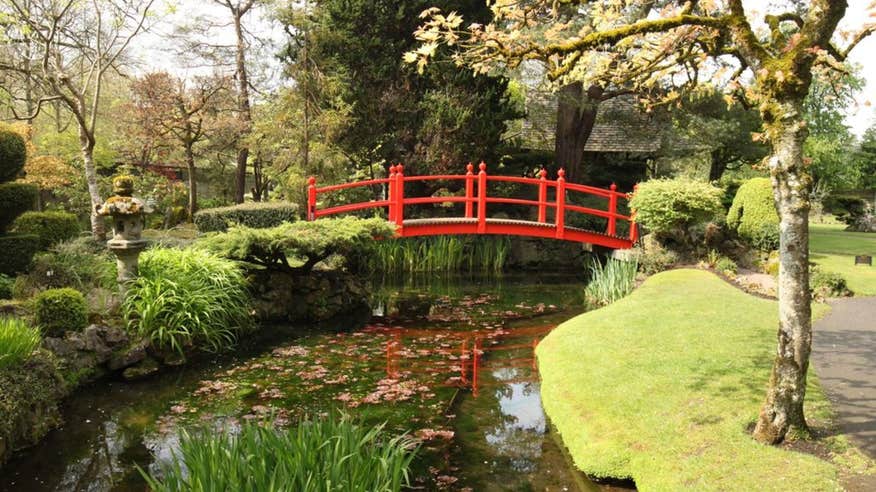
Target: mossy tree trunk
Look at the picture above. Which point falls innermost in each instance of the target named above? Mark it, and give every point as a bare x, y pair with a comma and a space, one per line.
86, 141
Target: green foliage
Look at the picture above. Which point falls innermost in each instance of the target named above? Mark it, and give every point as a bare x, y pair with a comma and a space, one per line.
6, 284
17, 252
17, 341
187, 298
670, 206
259, 215
655, 258
60, 310
610, 281
13, 155
51, 227
828, 284
440, 254
766, 237
81, 263
15, 199
725, 264
328, 454
310, 242
753, 210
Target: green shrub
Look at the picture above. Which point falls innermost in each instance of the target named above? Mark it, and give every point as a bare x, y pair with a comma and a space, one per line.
655, 259
13, 155
611, 281
753, 210
765, 238
60, 310
725, 264
81, 263
16, 252
258, 215
51, 227
671, 206
187, 298
827, 284
17, 341
6, 286
308, 242
319, 455
15, 199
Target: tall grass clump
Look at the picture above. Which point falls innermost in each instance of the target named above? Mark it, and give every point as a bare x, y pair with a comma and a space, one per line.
440, 254
331, 454
611, 281
187, 298
17, 341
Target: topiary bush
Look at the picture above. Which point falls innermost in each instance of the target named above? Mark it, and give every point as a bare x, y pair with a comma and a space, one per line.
15, 199
258, 215
669, 207
753, 214
13, 155
50, 227
16, 252
60, 310
187, 298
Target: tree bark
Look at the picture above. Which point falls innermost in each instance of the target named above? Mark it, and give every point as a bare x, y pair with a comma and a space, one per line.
244, 109
86, 143
576, 115
782, 411
193, 182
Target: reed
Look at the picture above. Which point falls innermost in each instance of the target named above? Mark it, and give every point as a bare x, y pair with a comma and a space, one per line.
440, 254
329, 454
610, 281
17, 341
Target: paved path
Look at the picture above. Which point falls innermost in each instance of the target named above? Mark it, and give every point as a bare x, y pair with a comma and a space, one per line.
844, 356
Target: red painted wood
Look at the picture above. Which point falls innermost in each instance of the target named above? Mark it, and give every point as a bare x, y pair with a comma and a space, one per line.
469, 190
311, 198
482, 198
542, 195
612, 210
399, 197
560, 219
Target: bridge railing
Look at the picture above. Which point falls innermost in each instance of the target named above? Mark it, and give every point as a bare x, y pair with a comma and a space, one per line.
477, 198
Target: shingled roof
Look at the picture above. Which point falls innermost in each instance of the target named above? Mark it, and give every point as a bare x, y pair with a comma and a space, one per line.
621, 126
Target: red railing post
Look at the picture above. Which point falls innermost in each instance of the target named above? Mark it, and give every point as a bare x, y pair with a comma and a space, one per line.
560, 219
634, 231
542, 196
311, 198
469, 190
390, 194
399, 197
482, 198
612, 209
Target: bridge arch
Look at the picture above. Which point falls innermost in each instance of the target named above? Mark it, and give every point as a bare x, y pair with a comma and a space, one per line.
476, 201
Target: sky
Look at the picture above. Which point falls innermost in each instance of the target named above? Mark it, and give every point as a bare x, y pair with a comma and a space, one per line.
863, 115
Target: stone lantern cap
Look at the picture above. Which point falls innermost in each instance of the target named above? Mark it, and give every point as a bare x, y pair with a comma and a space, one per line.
122, 203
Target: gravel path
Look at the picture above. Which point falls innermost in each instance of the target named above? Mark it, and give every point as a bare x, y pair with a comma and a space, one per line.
844, 356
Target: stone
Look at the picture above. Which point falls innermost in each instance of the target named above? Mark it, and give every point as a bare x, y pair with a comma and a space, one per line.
127, 357
318, 296
147, 367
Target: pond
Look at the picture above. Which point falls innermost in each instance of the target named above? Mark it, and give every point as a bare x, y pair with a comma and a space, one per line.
450, 361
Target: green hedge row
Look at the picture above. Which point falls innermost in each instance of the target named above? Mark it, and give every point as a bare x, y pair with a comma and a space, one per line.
16, 251
753, 214
256, 215
13, 155
51, 227
15, 199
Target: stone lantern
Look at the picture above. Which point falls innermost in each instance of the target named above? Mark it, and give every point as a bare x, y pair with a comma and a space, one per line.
129, 219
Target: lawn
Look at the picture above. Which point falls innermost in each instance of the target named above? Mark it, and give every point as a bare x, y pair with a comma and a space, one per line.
833, 249
662, 385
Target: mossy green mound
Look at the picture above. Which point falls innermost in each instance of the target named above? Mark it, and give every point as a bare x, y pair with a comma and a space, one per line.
662, 385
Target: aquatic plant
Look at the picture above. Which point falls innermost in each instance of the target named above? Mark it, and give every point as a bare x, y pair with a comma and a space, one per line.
17, 341
610, 281
326, 454
442, 254
186, 298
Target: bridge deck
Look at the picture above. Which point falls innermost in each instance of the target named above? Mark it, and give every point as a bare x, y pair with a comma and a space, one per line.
462, 225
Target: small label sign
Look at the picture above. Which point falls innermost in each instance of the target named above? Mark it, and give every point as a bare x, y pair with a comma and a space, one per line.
864, 260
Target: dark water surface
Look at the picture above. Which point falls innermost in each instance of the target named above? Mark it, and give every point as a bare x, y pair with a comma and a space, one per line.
466, 343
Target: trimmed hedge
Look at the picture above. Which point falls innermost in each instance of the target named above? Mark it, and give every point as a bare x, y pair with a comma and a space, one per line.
666, 205
258, 215
754, 211
13, 155
15, 199
16, 251
51, 227
60, 310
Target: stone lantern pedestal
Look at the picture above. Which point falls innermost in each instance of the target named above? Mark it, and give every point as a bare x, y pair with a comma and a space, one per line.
129, 218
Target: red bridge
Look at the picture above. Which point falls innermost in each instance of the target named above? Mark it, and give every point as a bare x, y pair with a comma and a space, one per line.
475, 219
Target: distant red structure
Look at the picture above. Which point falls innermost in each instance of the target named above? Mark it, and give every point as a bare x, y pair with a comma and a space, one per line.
476, 202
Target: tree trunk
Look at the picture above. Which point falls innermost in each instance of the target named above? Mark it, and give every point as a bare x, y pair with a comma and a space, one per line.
193, 181
718, 165
245, 114
576, 115
782, 411
98, 229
